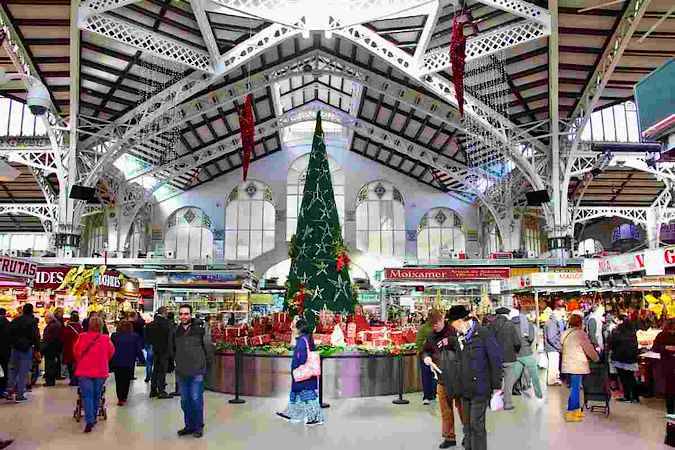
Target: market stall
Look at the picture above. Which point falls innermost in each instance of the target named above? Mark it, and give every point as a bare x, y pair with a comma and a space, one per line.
15, 275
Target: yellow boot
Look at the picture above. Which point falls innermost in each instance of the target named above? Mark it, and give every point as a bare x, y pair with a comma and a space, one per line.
571, 416
580, 413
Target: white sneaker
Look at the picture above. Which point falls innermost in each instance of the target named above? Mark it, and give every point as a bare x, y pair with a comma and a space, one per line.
426, 402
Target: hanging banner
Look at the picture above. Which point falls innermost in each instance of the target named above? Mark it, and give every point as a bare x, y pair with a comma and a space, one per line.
17, 267
591, 269
634, 262
446, 274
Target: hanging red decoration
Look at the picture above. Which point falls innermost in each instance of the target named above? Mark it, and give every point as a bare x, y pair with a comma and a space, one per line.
299, 300
458, 58
247, 129
342, 261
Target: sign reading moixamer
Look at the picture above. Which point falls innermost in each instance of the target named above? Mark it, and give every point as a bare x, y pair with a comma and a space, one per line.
446, 274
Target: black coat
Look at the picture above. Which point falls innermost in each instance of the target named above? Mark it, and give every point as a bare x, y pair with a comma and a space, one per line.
5, 348
445, 357
480, 364
159, 334
508, 336
193, 349
24, 334
624, 344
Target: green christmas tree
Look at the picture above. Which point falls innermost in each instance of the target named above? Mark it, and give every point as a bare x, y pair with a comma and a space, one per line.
319, 274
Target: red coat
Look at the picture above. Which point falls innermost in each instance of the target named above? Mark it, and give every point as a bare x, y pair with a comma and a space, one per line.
667, 359
93, 363
69, 334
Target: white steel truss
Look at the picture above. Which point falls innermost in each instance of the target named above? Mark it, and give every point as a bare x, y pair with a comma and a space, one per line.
486, 44
148, 41
205, 28
47, 213
586, 213
89, 7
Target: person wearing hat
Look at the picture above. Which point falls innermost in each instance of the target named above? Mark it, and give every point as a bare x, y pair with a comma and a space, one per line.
508, 336
480, 373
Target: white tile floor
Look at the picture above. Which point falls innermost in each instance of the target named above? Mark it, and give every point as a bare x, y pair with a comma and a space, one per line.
45, 422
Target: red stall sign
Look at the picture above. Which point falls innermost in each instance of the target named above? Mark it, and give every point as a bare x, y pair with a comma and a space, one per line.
447, 274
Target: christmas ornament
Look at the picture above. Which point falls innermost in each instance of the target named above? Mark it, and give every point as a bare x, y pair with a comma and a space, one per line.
458, 58
247, 129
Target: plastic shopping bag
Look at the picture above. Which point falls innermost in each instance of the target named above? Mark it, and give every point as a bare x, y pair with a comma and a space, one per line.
497, 401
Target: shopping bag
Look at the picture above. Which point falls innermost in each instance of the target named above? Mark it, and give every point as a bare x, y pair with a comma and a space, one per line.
542, 361
497, 401
311, 367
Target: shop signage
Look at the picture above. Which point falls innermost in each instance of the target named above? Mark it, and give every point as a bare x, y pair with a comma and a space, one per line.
109, 280
49, 277
634, 262
557, 279
446, 274
17, 267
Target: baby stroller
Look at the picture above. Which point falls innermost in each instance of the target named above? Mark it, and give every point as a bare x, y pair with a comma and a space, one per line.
596, 387
102, 410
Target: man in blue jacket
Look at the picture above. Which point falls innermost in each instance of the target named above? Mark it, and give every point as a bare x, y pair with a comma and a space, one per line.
480, 373
553, 330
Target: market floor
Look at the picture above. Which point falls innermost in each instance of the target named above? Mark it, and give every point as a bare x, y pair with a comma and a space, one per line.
45, 422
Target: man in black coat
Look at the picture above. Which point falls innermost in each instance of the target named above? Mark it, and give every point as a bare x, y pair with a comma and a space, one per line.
24, 339
480, 373
159, 333
508, 336
4, 350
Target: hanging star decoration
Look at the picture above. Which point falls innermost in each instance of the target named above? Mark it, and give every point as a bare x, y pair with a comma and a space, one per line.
340, 288
307, 234
321, 268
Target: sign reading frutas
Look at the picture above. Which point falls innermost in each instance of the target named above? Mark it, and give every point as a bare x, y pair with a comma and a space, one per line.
447, 274
17, 267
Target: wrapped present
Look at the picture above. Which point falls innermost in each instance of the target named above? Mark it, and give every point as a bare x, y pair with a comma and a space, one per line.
261, 340
241, 341
378, 328
322, 339
281, 337
381, 342
281, 317
397, 337
236, 331
380, 334
361, 337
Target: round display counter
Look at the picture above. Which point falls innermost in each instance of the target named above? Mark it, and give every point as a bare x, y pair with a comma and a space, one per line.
345, 375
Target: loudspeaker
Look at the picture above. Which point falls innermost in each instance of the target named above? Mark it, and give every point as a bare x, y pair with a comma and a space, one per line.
85, 193
537, 198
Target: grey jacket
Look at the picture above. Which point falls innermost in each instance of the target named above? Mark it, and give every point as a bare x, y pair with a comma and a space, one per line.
526, 340
552, 335
193, 350
508, 336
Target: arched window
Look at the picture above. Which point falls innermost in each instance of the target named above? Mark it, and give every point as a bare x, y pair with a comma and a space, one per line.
590, 247
380, 219
249, 221
95, 235
296, 185
188, 235
440, 234
137, 240
532, 236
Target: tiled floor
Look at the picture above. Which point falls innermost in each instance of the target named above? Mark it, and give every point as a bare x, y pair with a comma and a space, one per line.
45, 422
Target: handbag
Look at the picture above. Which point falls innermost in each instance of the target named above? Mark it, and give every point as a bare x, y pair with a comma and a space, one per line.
497, 401
311, 367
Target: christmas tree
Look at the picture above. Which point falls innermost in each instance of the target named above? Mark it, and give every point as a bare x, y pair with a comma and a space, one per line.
319, 275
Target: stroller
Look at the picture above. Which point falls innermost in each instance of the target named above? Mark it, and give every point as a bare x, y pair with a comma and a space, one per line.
102, 410
596, 387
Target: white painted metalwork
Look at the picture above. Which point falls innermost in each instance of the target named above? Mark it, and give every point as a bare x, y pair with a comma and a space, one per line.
205, 28
45, 212
147, 41
89, 7
486, 44
586, 213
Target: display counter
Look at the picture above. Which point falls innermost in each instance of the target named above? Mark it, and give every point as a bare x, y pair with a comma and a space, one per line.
345, 375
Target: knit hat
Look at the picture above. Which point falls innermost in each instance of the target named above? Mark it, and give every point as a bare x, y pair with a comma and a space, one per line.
457, 312
503, 310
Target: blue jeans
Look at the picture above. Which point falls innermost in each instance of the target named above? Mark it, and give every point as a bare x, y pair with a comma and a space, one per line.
90, 391
428, 382
192, 401
20, 364
148, 361
574, 402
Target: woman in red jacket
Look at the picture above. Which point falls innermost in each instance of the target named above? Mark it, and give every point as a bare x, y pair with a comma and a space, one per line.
93, 351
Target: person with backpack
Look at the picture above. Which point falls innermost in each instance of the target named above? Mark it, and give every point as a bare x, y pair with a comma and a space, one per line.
439, 354
480, 373
24, 339
193, 353
508, 336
